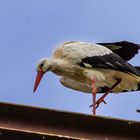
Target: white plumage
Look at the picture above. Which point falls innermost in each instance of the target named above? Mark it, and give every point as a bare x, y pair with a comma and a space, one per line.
82, 65
69, 54
75, 51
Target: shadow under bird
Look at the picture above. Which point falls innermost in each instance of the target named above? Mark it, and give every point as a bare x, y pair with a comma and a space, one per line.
93, 68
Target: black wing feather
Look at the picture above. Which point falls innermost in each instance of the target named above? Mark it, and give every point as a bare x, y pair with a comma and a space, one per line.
124, 49
111, 61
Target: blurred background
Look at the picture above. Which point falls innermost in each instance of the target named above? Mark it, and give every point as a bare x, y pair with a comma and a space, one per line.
31, 29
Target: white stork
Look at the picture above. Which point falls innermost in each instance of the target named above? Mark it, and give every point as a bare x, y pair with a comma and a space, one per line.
93, 68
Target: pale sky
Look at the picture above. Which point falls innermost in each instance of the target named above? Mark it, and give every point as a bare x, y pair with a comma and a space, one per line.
31, 29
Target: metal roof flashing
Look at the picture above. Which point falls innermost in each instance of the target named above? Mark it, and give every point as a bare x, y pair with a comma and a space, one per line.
27, 122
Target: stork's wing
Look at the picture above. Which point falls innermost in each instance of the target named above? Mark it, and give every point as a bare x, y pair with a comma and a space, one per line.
75, 51
94, 55
111, 61
124, 49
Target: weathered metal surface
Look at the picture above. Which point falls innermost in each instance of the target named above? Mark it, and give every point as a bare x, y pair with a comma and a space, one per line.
25, 122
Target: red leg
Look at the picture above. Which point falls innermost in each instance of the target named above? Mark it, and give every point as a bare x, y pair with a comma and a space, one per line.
101, 99
94, 97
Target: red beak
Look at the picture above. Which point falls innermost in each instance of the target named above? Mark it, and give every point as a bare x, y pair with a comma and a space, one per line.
38, 79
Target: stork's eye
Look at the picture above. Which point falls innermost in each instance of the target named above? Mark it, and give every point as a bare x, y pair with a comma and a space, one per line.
41, 65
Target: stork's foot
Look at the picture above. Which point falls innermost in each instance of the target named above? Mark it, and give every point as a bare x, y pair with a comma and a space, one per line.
100, 100
98, 103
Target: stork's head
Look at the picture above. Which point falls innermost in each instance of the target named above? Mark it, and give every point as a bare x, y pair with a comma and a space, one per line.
44, 65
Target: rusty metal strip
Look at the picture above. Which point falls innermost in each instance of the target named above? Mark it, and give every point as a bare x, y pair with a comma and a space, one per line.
17, 120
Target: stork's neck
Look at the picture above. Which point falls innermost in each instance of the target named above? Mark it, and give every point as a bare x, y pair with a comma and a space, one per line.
64, 68
59, 66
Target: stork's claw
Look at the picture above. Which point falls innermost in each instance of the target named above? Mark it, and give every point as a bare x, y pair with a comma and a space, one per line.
98, 103
104, 102
91, 106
